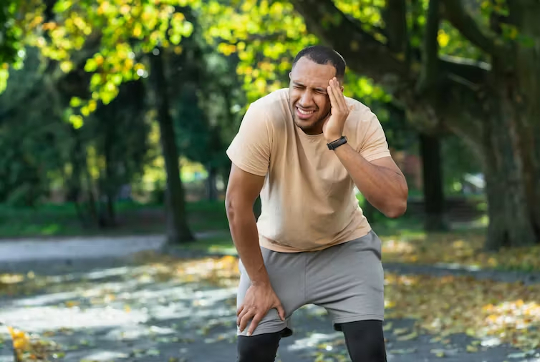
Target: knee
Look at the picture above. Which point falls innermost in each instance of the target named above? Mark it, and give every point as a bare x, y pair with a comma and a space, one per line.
260, 348
368, 350
365, 341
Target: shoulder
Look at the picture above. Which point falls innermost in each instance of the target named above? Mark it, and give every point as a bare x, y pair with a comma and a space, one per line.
361, 118
272, 109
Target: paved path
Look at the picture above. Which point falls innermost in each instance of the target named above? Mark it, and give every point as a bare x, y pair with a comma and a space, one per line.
82, 247
100, 304
6, 349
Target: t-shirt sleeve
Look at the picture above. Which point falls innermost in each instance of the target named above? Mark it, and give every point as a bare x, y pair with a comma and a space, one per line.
250, 148
374, 144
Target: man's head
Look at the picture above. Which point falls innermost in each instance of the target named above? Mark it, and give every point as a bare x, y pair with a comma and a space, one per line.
312, 70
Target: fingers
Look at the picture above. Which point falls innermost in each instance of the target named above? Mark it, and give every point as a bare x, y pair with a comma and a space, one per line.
281, 312
256, 319
240, 309
239, 316
244, 319
339, 94
333, 99
337, 99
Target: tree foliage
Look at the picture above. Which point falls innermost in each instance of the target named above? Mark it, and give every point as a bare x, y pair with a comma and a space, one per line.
108, 37
468, 67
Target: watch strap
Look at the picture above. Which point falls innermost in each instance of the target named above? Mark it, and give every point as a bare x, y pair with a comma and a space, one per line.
335, 144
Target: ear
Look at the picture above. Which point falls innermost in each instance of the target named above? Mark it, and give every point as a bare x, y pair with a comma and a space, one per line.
290, 75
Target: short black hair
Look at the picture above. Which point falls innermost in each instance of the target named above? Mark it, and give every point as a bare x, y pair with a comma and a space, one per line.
323, 55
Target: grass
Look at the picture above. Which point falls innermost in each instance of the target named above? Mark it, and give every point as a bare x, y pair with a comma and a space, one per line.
61, 220
215, 245
404, 240
412, 246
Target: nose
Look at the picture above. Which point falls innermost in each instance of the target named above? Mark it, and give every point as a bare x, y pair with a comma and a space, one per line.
307, 99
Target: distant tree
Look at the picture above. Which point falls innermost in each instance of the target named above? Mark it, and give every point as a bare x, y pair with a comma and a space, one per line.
114, 41
465, 67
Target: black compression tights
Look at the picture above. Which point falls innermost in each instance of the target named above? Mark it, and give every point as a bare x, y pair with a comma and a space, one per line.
364, 339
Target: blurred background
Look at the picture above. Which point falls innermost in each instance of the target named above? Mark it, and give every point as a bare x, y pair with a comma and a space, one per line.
114, 120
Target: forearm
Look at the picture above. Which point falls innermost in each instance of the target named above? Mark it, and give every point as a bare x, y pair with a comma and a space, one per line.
246, 240
384, 188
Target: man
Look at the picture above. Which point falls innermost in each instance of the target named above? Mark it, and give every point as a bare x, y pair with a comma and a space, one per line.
304, 150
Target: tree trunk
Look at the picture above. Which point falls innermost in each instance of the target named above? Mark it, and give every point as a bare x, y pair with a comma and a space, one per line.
177, 227
495, 109
108, 185
511, 222
74, 186
512, 140
211, 184
528, 75
434, 206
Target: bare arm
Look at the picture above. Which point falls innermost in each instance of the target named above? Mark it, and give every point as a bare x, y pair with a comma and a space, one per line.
242, 191
380, 181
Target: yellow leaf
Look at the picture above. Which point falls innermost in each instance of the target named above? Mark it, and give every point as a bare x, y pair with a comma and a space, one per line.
443, 38
66, 66
408, 337
71, 303
76, 121
438, 352
92, 105
399, 331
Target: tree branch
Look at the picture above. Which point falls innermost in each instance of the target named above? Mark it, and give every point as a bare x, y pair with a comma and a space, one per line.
430, 49
365, 54
462, 21
470, 70
395, 18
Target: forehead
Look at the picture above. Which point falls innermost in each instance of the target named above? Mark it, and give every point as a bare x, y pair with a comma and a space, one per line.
312, 74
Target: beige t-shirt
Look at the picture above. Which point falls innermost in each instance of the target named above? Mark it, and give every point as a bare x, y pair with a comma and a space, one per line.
308, 199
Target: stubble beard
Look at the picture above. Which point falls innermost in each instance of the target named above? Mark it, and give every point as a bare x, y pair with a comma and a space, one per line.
315, 127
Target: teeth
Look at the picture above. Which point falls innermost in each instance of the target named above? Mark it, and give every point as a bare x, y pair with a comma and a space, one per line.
304, 112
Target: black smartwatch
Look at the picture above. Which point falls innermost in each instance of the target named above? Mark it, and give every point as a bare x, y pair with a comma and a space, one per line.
335, 144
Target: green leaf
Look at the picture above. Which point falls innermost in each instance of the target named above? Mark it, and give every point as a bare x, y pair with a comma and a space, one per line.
76, 120
62, 5
4, 75
75, 102
91, 65
95, 80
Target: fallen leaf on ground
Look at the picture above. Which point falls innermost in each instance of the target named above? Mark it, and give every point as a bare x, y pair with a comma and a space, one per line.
480, 308
457, 249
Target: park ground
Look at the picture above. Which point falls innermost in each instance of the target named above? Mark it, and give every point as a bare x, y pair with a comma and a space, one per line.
128, 298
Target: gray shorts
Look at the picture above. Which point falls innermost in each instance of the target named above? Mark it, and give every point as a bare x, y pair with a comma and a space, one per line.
346, 279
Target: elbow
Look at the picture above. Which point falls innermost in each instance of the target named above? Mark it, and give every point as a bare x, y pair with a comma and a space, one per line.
396, 210
234, 206
230, 206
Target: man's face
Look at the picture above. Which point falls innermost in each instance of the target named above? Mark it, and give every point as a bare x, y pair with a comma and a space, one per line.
308, 94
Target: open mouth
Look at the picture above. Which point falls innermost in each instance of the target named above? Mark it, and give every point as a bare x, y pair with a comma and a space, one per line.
304, 114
